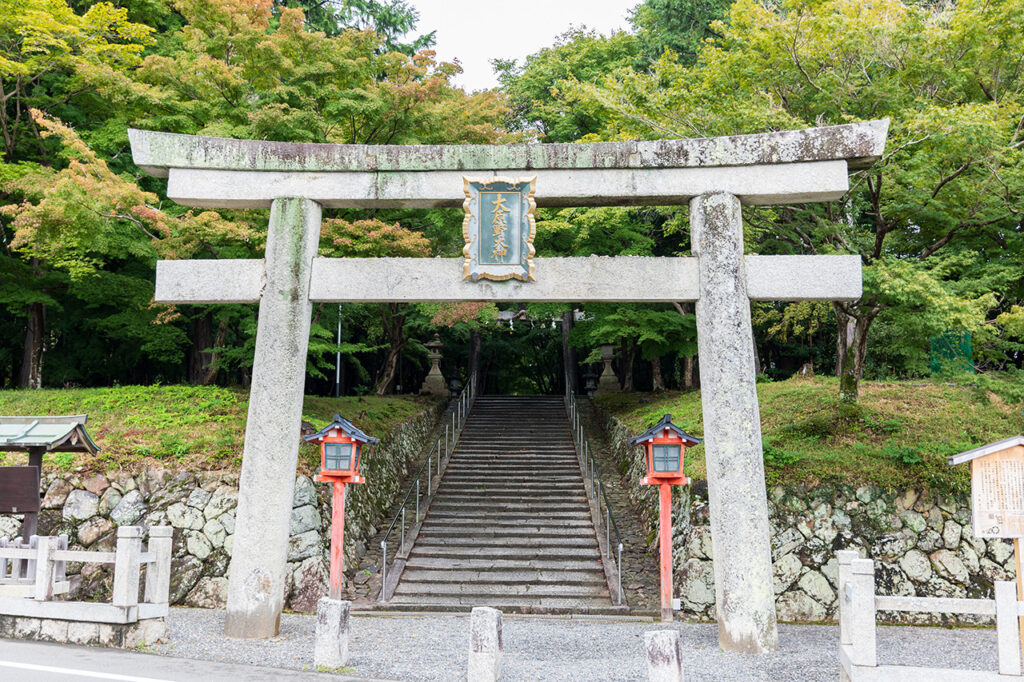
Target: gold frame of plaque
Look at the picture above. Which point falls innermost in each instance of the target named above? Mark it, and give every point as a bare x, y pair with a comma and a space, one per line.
511, 241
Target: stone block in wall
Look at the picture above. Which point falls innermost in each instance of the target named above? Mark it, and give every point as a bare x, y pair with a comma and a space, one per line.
798, 607
96, 484
129, 509
185, 573
56, 494
80, 505
209, 593
304, 546
309, 582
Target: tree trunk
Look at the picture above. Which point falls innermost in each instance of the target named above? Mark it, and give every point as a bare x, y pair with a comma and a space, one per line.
687, 373
855, 347
844, 339
474, 355
628, 356
32, 359
656, 379
394, 325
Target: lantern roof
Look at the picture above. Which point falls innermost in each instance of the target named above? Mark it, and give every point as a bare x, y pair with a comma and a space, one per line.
986, 450
655, 432
346, 427
56, 434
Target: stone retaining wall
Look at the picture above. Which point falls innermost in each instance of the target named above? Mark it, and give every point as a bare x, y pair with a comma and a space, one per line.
201, 508
922, 543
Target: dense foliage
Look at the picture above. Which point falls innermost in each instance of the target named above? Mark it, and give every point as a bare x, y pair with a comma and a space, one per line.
937, 223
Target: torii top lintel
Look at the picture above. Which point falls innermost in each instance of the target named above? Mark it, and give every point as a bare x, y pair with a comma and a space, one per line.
787, 166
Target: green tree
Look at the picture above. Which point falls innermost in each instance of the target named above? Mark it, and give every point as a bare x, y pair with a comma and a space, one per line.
951, 185
536, 89
681, 26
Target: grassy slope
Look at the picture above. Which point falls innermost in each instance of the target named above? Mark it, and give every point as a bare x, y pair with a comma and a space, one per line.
899, 436
193, 427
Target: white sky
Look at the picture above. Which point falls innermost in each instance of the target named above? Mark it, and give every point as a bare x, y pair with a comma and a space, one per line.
476, 31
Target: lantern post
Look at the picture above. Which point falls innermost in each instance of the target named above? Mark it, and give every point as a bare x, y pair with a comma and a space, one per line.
341, 449
664, 446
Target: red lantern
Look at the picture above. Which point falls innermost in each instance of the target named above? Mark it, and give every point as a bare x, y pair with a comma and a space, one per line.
664, 446
341, 452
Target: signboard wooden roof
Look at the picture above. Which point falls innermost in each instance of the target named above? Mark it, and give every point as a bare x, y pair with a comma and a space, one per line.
997, 488
56, 434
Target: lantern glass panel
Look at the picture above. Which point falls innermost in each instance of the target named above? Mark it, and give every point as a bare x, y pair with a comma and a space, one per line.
666, 458
337, 456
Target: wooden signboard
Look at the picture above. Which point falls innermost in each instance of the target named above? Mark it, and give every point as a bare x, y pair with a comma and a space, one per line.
997, 494
19, 490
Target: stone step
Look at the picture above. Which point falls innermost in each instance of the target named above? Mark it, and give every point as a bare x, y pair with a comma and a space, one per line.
416, 562
481, 589
547, 509
537, 553
460, 521
506, 576
513, 604
511, 517
425, 541
512, 534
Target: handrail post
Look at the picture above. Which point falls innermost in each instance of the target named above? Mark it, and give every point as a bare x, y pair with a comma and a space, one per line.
402, 550
158, 573
619, 572
383, 568
1007, 627
126, 566
44, 567
862, 613
845, 558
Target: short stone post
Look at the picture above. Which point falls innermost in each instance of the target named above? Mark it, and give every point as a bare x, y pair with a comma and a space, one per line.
45, 568
263, 517
1007, 627
484, 645
664, 656
737, 498
862, 613
126, 566
158, 573
845, 558
330, 650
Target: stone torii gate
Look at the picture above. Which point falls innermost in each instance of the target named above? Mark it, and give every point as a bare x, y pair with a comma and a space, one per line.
715, 175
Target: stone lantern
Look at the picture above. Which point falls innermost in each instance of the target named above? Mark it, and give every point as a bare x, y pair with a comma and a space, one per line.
434, 384
608, 382
664, 445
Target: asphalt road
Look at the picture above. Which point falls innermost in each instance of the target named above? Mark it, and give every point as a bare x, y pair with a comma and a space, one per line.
35, 662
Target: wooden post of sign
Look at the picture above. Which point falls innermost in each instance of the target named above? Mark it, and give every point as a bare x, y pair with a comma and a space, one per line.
31, 521
1020, 591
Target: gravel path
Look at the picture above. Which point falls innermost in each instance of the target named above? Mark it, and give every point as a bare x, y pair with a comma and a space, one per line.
433, 647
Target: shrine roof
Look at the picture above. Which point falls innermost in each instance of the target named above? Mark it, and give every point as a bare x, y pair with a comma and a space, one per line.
985, 450
655, 432
57, 434
860, 144
347, 427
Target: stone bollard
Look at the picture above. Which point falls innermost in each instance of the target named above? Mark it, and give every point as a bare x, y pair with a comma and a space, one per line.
484, 645
330, 649
664, 657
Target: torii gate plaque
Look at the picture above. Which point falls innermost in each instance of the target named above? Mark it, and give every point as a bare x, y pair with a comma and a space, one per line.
715, 175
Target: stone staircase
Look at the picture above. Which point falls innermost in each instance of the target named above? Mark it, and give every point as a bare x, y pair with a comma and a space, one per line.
509, 526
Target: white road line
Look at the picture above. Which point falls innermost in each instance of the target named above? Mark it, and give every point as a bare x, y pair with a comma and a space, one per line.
79, 673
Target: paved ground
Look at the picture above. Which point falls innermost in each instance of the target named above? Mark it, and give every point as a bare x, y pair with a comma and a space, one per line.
35, 662
433, 647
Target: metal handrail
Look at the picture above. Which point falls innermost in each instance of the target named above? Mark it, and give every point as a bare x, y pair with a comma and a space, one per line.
592, 474
439, 453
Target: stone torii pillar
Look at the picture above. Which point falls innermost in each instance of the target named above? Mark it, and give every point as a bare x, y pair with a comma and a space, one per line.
715, 176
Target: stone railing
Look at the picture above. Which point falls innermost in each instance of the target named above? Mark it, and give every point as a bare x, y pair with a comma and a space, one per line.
858, 608
32, 574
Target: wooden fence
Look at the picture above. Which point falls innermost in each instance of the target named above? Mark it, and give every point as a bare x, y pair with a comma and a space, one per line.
858, 605
33, 573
